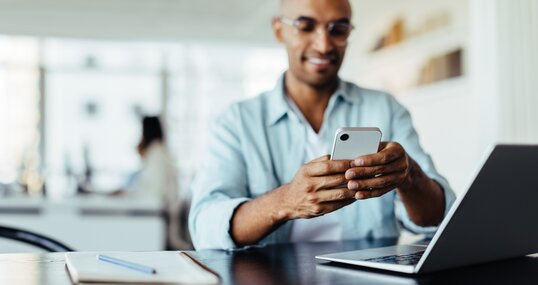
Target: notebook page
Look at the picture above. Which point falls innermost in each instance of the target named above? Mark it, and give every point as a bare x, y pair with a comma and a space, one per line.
172, 267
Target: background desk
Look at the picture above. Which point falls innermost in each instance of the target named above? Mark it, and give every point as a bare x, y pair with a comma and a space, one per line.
80, 222
285, 264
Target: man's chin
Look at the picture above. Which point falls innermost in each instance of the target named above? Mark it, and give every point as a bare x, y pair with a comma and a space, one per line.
322, 80
315, 79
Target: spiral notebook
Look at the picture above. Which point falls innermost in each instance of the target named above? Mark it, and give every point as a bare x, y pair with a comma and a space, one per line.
172, 267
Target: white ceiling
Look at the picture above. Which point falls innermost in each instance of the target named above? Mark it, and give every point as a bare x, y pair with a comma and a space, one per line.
172, 20
229, 20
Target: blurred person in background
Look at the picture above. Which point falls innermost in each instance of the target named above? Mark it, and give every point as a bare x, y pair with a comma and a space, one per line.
157, 178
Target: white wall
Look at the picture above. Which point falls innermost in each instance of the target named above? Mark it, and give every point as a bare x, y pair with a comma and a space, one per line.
518, 70
504, 62
231, 20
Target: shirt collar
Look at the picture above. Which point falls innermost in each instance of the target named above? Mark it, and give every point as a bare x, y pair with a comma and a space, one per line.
276, 104
278, 107
344, 91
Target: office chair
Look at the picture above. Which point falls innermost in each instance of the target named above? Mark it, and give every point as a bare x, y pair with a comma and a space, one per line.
34, 239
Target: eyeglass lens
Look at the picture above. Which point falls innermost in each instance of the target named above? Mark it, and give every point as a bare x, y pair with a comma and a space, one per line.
338, 31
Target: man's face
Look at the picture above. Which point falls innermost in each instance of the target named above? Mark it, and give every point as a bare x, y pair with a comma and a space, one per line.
314, 54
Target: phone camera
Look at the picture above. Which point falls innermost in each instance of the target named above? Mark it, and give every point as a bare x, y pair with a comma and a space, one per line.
344, 137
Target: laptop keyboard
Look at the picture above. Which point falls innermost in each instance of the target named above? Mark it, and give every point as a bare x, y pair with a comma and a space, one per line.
403, 259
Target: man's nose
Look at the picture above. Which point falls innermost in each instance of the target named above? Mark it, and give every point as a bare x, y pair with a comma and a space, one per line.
322, 40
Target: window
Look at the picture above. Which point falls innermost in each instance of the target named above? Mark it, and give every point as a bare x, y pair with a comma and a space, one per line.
95, 92
19, 113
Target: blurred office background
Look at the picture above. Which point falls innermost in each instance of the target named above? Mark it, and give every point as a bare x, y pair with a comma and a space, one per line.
76, 77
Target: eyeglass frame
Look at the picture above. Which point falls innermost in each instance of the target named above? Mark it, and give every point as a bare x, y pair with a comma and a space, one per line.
294, 23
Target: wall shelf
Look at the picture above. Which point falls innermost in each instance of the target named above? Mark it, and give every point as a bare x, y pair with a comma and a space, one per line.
397, 68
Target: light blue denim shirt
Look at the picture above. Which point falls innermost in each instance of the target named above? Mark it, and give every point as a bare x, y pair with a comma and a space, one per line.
258, 145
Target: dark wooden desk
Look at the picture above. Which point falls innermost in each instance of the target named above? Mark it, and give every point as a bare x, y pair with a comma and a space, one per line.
285, 264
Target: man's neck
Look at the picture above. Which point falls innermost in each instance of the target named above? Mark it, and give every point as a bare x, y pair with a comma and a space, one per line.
311, 100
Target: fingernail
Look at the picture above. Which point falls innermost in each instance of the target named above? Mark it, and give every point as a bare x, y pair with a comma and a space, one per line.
359, 162
352, 185
358, 195
350, 174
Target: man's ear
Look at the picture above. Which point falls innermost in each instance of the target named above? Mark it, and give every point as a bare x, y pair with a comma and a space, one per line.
277, 29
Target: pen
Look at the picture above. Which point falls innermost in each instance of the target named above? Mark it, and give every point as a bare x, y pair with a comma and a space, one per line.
124, 263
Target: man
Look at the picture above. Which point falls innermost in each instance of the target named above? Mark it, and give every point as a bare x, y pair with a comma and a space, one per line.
262, 182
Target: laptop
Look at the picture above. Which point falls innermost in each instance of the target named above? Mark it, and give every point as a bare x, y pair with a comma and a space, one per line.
494, 219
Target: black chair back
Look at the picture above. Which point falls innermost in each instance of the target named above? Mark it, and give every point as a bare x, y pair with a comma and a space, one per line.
34, 239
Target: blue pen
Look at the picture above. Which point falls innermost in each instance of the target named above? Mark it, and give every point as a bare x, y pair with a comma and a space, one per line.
124, 263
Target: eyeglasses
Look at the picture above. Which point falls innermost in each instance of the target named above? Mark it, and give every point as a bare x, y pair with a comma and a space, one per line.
305, 27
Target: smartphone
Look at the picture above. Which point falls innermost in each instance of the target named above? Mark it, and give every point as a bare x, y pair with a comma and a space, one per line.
350, 143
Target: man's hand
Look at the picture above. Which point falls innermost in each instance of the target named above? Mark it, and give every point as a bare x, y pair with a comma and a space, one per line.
376, 174
391, 168
312, 193
314, 190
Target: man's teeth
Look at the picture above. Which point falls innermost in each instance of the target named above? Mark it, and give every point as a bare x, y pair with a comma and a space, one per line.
319, 61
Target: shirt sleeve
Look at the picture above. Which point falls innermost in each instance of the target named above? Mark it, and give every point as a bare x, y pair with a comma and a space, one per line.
404, 133
220, 185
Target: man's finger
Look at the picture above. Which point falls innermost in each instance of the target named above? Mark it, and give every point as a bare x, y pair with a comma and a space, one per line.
331, 195
327, 207
389, 152
321, 158
371, 171
330, 181
380, 182
367, 194
327, 167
